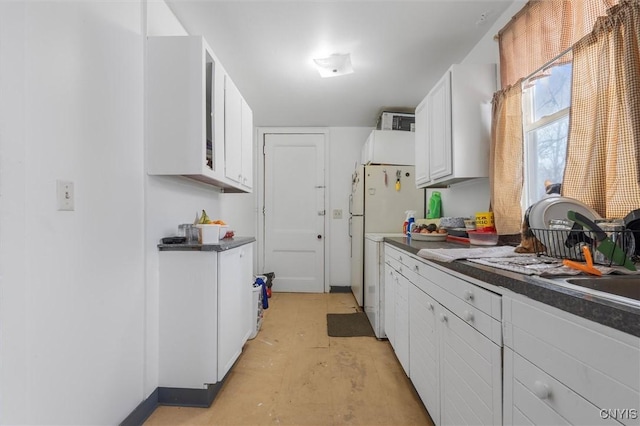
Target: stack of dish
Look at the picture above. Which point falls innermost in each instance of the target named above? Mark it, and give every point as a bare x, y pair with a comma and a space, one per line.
549, 223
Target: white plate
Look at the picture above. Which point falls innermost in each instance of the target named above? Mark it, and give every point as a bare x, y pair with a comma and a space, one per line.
556, 208
428, 237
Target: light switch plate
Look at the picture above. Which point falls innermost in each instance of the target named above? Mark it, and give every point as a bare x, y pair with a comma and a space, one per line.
65, 195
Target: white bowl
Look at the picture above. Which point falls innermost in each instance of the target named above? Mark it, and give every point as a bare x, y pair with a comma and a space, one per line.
209, 233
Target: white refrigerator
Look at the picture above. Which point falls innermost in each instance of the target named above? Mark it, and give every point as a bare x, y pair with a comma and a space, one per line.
380, 196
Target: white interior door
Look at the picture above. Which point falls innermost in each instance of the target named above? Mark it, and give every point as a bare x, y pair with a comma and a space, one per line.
294, 211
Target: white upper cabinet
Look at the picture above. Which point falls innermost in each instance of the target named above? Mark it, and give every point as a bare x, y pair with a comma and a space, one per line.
421, 156
453, 127
238, 139
186, 112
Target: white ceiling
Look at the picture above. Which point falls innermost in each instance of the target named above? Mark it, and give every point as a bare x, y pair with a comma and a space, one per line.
399, 49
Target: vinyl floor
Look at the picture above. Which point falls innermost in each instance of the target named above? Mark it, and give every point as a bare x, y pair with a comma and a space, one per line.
293, 373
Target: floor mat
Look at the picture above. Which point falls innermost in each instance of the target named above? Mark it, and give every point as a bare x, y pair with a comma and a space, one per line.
349, 325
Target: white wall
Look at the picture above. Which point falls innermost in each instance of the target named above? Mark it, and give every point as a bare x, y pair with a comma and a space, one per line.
467, 198
72, 283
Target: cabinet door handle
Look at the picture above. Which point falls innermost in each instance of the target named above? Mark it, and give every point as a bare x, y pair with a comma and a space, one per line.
430, 306
417, 268
541, 389
467, 316
443, 318
468, 295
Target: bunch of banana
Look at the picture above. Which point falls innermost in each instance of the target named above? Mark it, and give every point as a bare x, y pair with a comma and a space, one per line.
204, 219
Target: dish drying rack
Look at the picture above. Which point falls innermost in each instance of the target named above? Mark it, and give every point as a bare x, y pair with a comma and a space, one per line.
567, 244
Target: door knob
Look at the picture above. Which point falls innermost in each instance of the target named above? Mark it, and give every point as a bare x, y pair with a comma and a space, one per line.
319, 236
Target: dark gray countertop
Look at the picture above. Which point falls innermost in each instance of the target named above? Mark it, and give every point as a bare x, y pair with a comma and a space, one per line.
620, 316
226, 244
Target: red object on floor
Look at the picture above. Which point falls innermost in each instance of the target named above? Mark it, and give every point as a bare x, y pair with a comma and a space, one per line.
268, 292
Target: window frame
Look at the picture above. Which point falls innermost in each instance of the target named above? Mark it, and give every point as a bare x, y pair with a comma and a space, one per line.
529, 125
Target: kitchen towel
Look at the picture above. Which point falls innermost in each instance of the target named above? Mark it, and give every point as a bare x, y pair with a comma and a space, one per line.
449, 255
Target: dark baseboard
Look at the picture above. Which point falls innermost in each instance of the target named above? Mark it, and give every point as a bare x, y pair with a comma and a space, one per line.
182, 397
188, 397
340, 289
142, 411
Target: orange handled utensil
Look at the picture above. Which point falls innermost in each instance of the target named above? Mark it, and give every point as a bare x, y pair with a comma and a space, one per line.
588, 267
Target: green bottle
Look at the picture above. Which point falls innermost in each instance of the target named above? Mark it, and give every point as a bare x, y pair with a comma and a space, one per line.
435, 206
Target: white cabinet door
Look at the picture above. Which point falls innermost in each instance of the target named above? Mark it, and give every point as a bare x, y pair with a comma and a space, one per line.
238, 137
390, 303
424, 350
246, 117
232, 307
422, 145
232, 131
401, 345
246, 269
471, 374
188, 323
439, 128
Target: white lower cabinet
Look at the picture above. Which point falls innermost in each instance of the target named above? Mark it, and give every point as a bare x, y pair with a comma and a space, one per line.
390, 303
563, 369
424, 350
402, 322
454, 342
234, 291
397, 313
204, 299
555, 368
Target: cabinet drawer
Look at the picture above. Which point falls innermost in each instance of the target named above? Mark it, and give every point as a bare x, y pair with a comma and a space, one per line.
600, 364
543, 400
394, 253
393, 263
478, 297
476, 318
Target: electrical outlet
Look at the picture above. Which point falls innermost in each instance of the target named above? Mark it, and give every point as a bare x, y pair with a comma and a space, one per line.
65, 195
337, 213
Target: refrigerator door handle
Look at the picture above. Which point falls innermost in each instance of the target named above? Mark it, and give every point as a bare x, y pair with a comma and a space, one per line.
350, 225
350, 205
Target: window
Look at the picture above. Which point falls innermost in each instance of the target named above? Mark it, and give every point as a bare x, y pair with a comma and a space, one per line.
546, 100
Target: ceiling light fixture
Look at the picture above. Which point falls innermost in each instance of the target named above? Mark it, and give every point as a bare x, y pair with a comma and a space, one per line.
334, 65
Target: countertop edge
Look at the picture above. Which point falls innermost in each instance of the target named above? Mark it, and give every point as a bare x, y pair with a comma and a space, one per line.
609, 313
226, 244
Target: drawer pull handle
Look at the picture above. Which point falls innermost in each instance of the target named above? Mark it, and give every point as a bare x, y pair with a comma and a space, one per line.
443, 318
467, 316
430, 306
416, 268
468, 295
541, 389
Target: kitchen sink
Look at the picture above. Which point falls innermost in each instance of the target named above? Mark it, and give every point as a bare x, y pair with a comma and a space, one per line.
624, 289
625, 286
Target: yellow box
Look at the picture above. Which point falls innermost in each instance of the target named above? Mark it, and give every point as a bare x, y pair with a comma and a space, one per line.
484, 221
